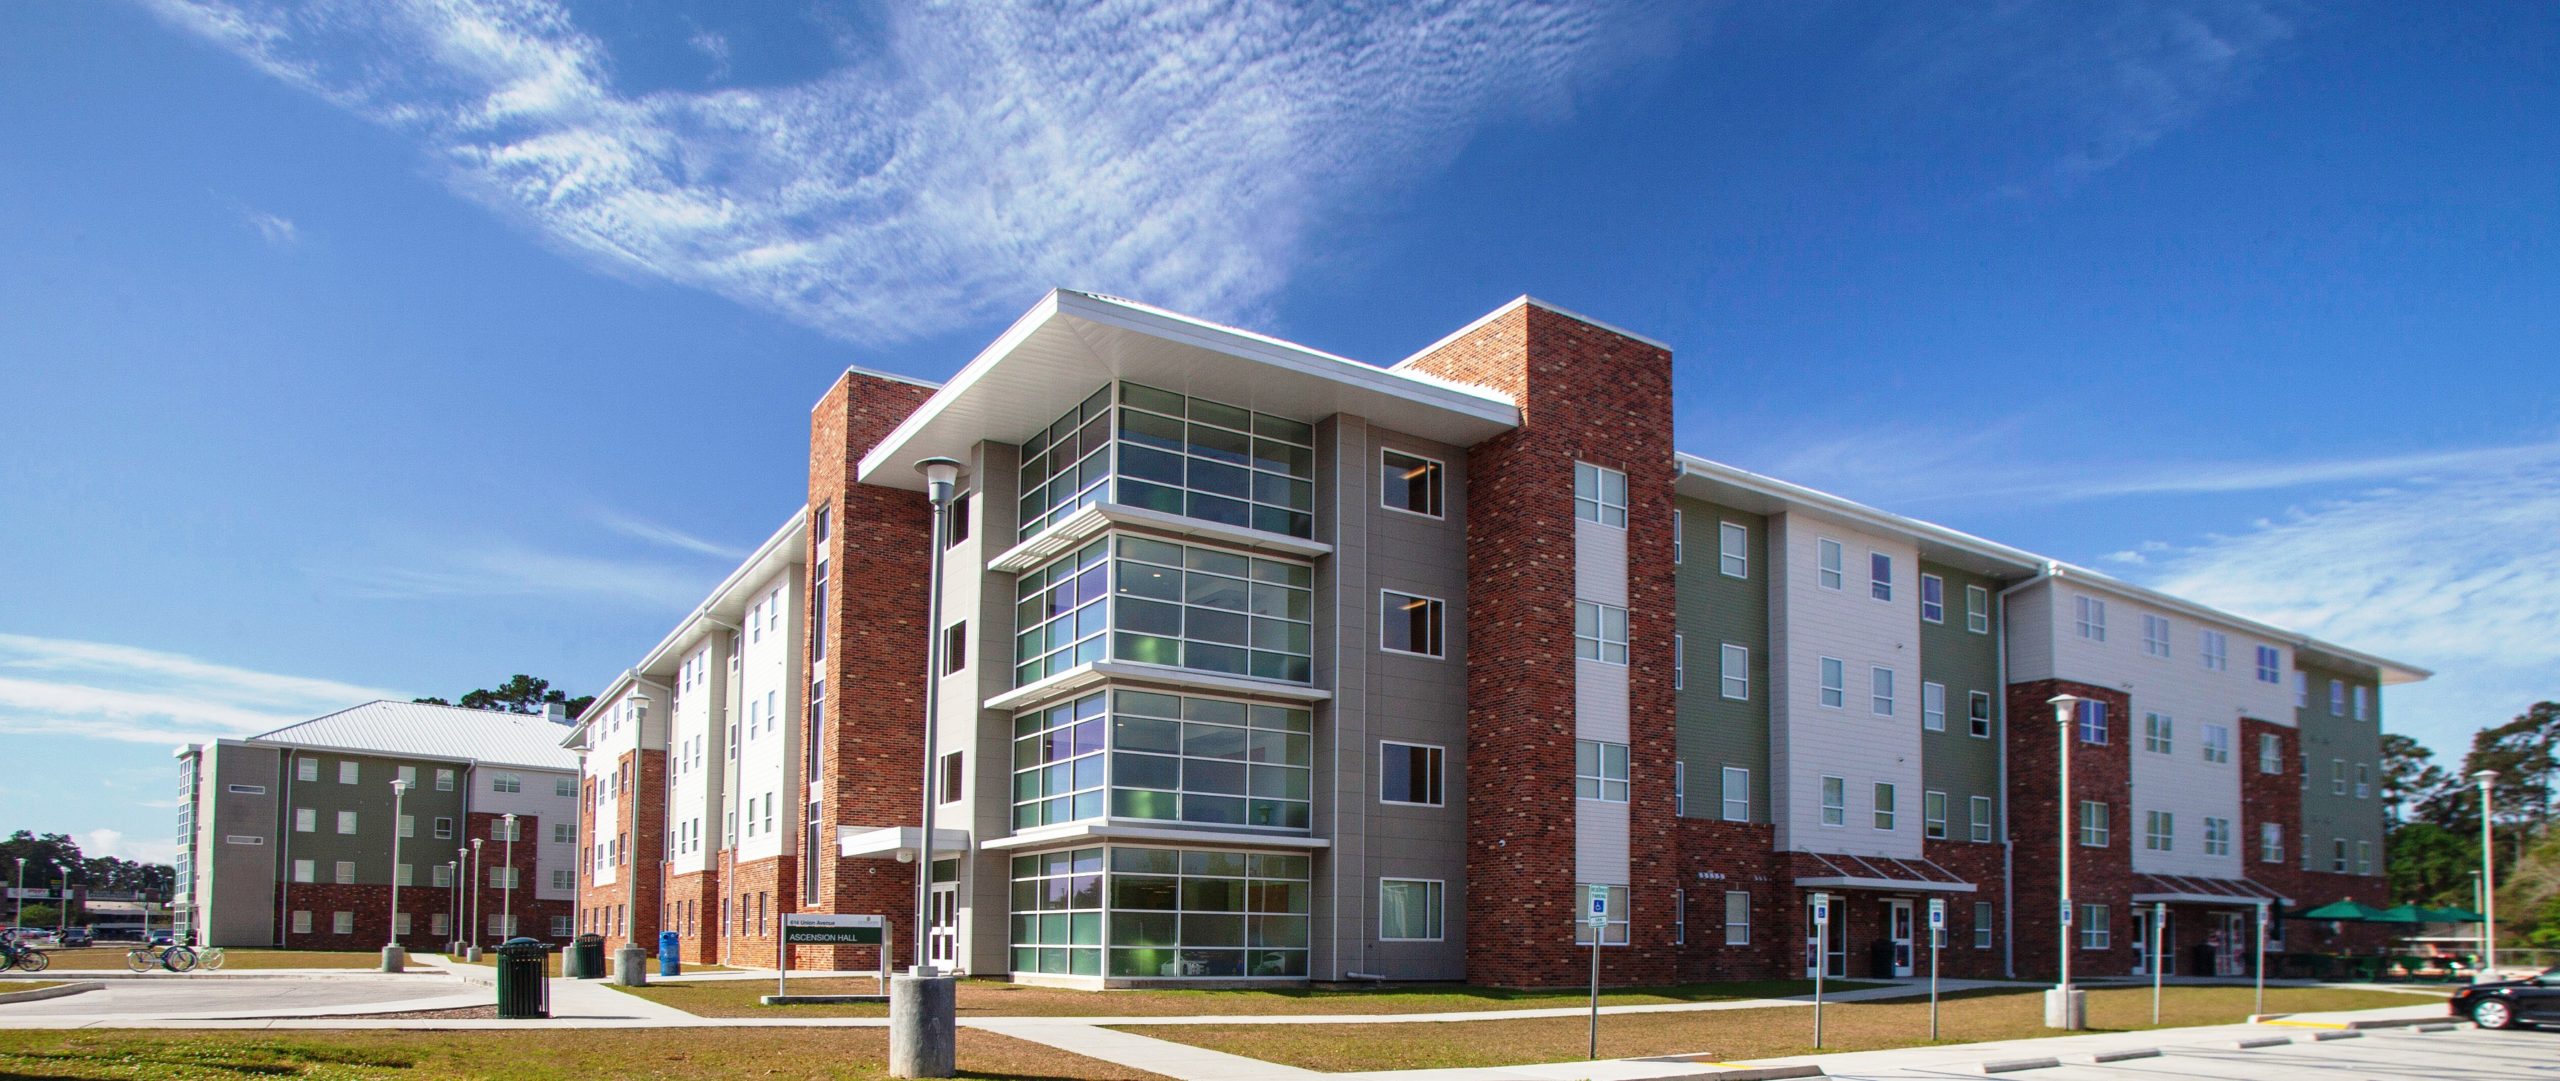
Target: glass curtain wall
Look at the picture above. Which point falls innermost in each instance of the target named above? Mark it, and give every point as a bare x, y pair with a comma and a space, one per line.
1143, 447
1172, 913
1173, 758
1181, 605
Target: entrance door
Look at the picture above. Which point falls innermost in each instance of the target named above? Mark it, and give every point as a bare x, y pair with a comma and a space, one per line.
944, 937
1898, 929
2142, 951
1836, 952
2230, 944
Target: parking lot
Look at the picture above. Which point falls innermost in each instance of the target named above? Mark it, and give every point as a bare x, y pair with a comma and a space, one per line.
189, 997
2384, 1054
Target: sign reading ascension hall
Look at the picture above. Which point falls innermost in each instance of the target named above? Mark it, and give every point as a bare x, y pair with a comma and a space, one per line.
820, 929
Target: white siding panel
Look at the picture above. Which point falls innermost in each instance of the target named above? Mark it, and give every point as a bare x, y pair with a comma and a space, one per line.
1600, 842
1599, 563
1600, 701
1810, 740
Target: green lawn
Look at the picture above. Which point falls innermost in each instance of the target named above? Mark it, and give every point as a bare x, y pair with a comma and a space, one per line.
585, 1055
996, 998
1732, 1035
111, 959
8, 987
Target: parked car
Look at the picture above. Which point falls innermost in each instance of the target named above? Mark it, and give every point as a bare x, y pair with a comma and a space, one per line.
2510, 1003
160, 938
35, 936
77, 938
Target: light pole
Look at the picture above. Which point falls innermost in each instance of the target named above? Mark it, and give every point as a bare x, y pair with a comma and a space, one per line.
453, 899
2488, 877
20, 919
507, 893
476, 842
631, 962
62, 910
393, 958
461, 931
923, 1026
2062, 1005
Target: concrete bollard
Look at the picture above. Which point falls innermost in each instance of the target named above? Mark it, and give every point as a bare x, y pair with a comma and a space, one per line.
631, 967
2066, 1010
394, 959
923, 1025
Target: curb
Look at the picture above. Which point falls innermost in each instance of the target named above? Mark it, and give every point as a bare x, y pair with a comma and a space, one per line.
2319, 1037
2101, 1058
1749, 1073
2261, 1041
2016, 1064
42, 993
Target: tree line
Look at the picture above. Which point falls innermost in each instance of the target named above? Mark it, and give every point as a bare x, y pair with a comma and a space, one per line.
101, 874
2435, 837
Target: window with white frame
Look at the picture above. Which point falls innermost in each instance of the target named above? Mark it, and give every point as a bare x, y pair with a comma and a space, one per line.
301, 922
1879, 576
1884, 805
2364, 857
1409, 623
1977, 609
563, 833
404, 873
1978, 713
1933, 706
1933, 815
2270, 753
2093, 721
2158, 733
2363, 702
1599, 632
2089, 617
1882, 691
2159, 831
1980, 806
2155, 635
2338, 855
2337, 776
440, 875
1982, 925
408, 825
1933, 599
1600, 770
1410, 483
2269, 662
342, 923
1736, 794
1835, 801
2364, 781
1679, 788
2270, 842
2216, 651
2094, 827
345, 873
1734, 672
2301, 690
306, 870
1409, 773
1737, 918
1599, 494
1409, 910
505, 782
1616, 933
2094, 932
349, 773
1679, 661
1827, 563
2217, 743
2217, 836
346, 823
1679, 917
444, 780
1835, 682
1679, 540
1733, 550
563, 879
444, 829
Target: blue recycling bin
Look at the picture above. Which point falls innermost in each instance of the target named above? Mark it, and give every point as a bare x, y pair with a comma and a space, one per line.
668, 965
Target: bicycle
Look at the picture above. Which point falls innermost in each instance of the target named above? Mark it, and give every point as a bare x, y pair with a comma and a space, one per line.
208, 958
173, 958
21, 957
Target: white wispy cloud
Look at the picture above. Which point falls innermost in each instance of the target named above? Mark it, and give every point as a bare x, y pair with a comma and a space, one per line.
662, 535
2085, 84
2453, 574
276, 229
56, 686
715, 48
971, 157
510, 569
108, 842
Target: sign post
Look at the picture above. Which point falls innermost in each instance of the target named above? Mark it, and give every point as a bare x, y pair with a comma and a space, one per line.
2258, 964
1821, 958
1596, 917
2159, 955
1937, 938
828, 929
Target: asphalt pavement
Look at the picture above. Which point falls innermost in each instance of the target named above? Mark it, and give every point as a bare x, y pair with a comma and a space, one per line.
2464, 1053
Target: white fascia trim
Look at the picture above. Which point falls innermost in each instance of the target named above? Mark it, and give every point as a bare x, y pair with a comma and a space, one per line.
1094, 673
2219, 900
2389, 669
1889, 885
2024, 561
1074, 530
1085, 832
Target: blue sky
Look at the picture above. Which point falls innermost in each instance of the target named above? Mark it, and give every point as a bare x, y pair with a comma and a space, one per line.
384, 348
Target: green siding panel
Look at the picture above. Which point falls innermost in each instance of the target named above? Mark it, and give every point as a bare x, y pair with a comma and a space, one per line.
1715, 732
2339, 737
1955, 761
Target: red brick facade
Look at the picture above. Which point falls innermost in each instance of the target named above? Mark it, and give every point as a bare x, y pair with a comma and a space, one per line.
641, 827
692, 911
1585, 394
2101, 875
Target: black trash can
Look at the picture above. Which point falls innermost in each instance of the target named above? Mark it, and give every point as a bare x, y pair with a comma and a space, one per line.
523, 989
585, 959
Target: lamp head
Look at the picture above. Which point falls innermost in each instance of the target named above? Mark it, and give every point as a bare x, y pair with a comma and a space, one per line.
2062, 705
399, 787
2486, 777
940, 475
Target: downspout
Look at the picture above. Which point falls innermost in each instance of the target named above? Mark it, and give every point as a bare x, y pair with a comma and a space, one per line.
666, 801
2008, 844
284, 896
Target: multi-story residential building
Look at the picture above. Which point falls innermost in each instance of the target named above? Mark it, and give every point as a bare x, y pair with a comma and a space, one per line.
1263, 664
287, 838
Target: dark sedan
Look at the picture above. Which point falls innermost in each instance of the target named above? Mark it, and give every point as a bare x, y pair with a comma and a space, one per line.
2508, 1003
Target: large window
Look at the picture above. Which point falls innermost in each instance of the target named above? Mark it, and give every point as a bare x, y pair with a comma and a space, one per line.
2159, 831
2093, 721
1881, 691
1176, 454
1409, 910
2269, 665
2093, 824
1599, 632
1410, 483
1408, 623
2089, 617
2217, 743
2095, 934
1599, 494
1180, 605
2158, 733
1057, 913
1409, 773
1600, 770
2215, 650
2217, 836
1198, 913
1058, 763
1212, 761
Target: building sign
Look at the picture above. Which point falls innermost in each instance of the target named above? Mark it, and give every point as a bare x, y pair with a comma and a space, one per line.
821, 929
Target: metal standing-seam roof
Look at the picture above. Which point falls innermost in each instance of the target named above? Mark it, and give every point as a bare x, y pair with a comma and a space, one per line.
420, 730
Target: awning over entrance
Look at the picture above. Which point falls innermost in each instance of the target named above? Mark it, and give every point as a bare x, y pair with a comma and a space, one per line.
2194, 890
1842, 872
898, 842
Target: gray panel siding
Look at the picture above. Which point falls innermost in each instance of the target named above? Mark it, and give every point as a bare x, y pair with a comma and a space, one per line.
1955, 761
2328, 737
238, 881
370, 798
1715, 732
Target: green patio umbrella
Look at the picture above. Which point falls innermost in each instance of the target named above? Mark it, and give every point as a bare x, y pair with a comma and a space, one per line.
2411, 914
2340, 910
2454, 915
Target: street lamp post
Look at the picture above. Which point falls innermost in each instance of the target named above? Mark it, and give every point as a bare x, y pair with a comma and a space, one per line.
62, 896
460, 931
507, 893
923, 1027
631, 962
20, 919
2488, 778
476, 842
2063, 1006
393, 958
